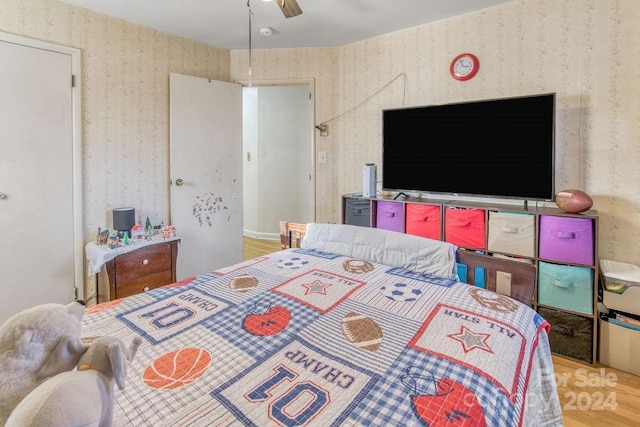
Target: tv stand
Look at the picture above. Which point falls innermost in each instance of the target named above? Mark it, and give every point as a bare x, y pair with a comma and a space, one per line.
544, 238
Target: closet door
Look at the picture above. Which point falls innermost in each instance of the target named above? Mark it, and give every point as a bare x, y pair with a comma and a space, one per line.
37, 262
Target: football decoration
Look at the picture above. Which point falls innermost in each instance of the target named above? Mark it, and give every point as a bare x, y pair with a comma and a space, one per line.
573, 201
177, 368
401, 292
243, 283
361, 331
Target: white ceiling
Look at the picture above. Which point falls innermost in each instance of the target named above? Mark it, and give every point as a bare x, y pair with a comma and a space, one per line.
323, 23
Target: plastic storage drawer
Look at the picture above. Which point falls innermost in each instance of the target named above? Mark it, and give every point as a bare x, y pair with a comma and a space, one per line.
566, 239
511, 233
465, 227
571, 335
390, 216
357, 212
423, 220
565, 286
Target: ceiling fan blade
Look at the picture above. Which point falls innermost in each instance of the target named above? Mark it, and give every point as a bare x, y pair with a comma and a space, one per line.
289, 8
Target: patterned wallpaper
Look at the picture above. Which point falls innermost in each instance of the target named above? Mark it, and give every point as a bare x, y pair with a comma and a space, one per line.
587, 51
125, 100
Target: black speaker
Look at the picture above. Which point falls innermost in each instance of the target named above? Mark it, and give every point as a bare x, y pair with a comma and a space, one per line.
123, 220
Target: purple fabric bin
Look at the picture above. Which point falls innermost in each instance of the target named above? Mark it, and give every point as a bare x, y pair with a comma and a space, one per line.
566, 239
390, 216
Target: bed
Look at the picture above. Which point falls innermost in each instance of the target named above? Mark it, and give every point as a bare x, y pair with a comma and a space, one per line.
345, 326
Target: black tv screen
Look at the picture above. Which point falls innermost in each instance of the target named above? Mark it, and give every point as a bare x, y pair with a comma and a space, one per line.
497, 148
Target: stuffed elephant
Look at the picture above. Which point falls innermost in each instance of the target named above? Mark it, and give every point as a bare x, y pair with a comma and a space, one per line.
34, 344
83, 397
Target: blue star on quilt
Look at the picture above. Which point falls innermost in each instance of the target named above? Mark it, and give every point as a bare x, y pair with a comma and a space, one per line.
317, 287
471, 340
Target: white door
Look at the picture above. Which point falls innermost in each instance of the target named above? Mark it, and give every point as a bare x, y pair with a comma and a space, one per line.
206, 156
36, 178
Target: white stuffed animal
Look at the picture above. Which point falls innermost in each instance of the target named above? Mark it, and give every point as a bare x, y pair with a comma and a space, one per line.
83, 397
34, 344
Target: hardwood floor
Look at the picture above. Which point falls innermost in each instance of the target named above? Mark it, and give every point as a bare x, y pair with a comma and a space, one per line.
253, 248
589, 395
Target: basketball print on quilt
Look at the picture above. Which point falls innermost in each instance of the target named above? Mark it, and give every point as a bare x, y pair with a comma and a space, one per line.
177, 368
361, 331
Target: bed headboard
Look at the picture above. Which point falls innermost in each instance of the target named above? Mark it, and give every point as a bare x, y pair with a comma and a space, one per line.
522, 280
291, 234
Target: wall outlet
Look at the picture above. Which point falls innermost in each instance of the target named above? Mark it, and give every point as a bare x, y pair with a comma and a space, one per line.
322, 157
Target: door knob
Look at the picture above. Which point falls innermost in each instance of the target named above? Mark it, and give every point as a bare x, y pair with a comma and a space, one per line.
179, 182
3, 196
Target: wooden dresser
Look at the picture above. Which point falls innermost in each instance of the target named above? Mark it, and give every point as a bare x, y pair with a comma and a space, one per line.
142, 269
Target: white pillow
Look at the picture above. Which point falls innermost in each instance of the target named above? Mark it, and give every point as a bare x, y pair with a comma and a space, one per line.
413, 253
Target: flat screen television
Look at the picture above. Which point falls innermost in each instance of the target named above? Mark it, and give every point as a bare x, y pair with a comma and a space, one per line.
501, 148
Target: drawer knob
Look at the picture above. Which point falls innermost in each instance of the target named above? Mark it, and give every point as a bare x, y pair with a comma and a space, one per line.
145, 262
146, 289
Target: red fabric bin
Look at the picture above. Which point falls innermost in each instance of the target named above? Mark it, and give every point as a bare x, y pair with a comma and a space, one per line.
423, 220
465, 227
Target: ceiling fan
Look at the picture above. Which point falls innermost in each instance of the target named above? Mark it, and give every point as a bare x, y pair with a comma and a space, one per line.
289, 8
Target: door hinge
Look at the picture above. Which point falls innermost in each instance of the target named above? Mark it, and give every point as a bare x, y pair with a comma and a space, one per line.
73, 80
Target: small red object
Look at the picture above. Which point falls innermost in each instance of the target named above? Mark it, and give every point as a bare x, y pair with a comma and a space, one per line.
573, 201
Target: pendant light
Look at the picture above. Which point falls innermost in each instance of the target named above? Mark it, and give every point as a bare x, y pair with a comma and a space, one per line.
250, 76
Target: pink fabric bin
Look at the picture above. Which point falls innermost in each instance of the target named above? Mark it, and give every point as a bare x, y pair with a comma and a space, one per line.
423, 220
465, 227
390, 216
566, 239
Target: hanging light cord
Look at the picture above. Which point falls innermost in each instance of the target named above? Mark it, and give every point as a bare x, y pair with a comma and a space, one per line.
404, 94
250, 72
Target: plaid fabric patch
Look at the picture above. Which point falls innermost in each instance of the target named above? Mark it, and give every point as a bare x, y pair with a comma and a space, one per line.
422, 390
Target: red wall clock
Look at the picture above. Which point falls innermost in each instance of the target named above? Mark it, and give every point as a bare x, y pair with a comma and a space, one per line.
464, 66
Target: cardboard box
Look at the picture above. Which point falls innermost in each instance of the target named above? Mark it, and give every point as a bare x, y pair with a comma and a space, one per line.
619, 347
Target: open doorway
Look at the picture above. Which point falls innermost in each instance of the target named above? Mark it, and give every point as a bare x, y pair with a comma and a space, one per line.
278, 168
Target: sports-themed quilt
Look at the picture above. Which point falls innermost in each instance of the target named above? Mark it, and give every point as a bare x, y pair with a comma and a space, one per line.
309, 338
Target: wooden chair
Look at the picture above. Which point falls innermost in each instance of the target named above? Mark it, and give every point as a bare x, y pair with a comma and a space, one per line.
291, 234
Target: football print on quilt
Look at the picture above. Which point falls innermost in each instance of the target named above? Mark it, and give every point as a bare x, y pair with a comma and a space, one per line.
361, 331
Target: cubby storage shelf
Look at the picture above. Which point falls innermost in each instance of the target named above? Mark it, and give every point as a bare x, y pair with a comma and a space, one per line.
562, 246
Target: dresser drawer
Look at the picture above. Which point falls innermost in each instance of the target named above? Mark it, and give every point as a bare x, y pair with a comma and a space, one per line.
143, 284
143, 262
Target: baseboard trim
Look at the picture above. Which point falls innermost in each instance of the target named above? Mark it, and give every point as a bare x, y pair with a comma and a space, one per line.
262, 236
